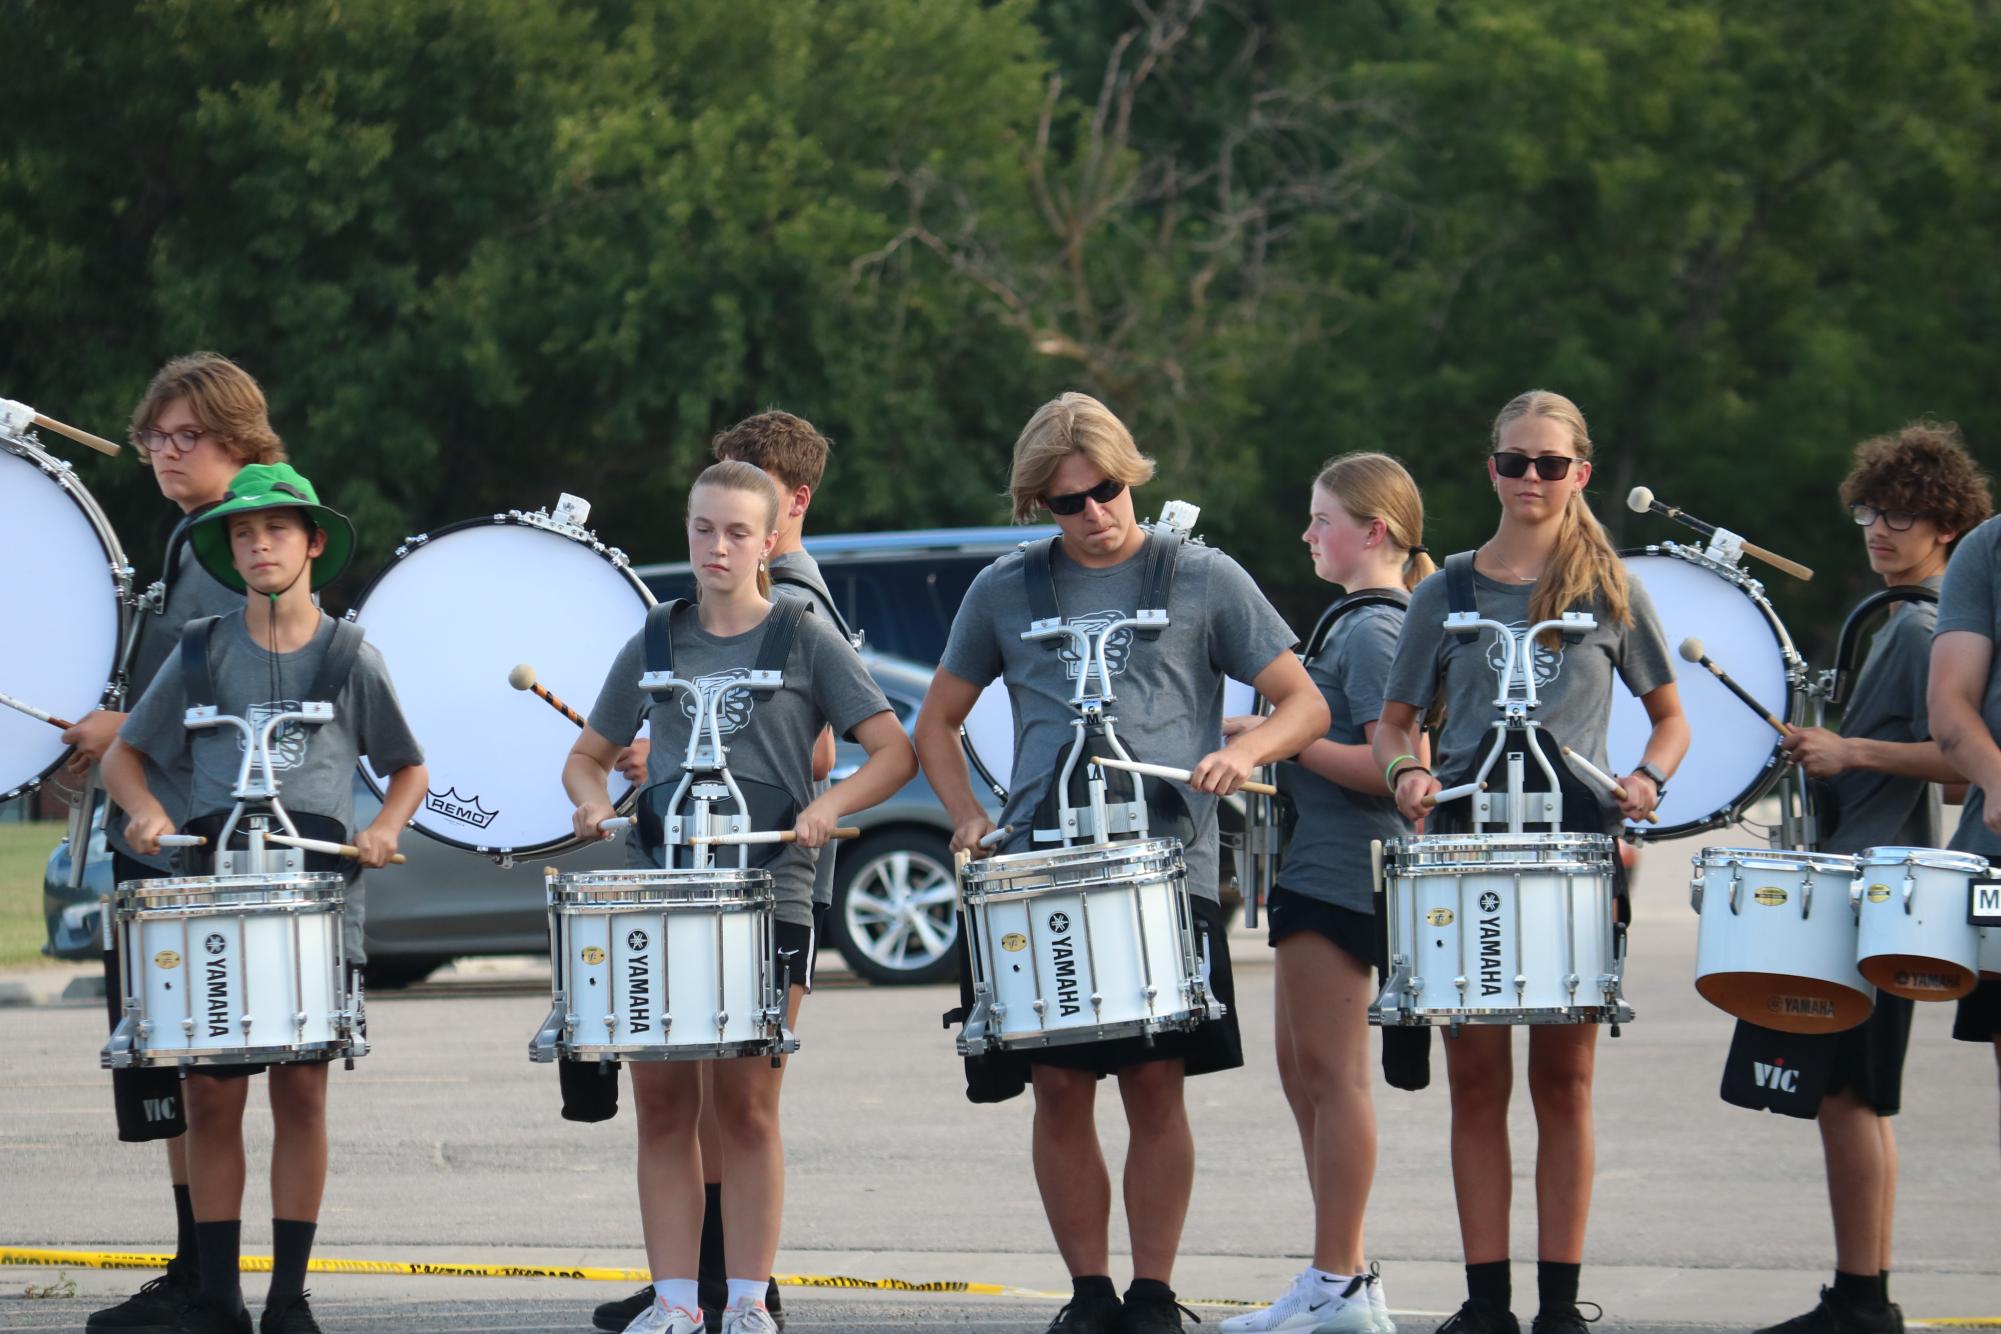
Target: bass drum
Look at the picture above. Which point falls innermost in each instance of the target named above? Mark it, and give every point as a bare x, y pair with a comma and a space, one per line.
1733, 759
65, 605
452, 615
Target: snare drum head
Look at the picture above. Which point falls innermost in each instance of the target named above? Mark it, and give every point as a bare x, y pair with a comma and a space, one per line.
64, 620
452, 616
1729, 761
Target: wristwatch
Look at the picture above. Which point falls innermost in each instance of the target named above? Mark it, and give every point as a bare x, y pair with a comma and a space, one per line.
1659, 779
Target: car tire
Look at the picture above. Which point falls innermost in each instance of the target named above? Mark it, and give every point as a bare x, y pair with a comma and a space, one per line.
400, 970
895, 917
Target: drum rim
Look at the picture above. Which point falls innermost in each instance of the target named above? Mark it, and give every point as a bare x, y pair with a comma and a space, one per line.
119, 569
1560, 838
1768, 777
622, 877
1937, 859
187, 885
516, 519
1128, 848
1776, 859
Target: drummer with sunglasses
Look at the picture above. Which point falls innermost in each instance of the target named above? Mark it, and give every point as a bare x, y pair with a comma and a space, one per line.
1548, 556
1078, 461
1911, 494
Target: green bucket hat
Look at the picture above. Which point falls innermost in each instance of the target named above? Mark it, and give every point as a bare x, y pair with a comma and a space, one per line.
264, 486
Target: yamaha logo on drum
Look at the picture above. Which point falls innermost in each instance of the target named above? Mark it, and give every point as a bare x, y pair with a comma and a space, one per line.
635, 940
1490, 902
1059, 922
215, 944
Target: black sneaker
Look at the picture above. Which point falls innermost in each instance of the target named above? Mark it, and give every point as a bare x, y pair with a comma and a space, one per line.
615, 1316
151, 1310
1837, 1315
1572, 1321
290, 1317
1085, 1315
1479, 1318
205, 1315
771, 1303
1153, 1315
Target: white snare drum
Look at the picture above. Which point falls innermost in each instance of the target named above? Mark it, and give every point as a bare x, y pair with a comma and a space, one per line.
1776, 945
1501, 929
234, 970
1915, 940
66, 617
1732, 759
1082, 944
452, 615
652, 965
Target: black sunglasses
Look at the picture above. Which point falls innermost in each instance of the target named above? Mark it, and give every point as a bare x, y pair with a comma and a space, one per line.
1104, 493
1549, 467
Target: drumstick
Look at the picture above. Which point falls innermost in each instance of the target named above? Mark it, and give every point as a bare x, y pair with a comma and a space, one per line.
992, 838
24, 707
1641, 500
1691, 651
523, 678
1178, 775
1603, 779
20, 415
1445, 794
614, 823
183, 841
321, 845
770, 836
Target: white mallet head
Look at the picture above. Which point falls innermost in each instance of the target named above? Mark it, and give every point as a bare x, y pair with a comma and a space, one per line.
1691, 649
522, 677
1639, 500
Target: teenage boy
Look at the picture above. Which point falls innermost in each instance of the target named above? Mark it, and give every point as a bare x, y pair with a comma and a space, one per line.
273, 541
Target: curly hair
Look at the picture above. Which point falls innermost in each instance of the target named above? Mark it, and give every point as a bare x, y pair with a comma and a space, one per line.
779, 443
1923, 469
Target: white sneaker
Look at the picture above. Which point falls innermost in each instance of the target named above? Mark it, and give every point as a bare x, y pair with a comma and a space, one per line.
661, 1319
1318, 1307
752, 1319
1379, 1305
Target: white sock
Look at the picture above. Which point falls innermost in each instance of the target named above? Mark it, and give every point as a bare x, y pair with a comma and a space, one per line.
1329, 1279
748, 1292
682, 1292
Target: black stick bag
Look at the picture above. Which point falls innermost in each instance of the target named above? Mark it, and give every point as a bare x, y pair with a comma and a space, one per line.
1770, 1071
147, 1098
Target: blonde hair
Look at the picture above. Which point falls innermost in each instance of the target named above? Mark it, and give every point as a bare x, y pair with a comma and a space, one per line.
223, 397
736, 475
1582, 565
1375, 486
1073, 424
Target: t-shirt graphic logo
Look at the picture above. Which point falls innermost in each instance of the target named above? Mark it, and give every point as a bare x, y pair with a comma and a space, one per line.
288, 743
733, 711
1548, 661
1118, 649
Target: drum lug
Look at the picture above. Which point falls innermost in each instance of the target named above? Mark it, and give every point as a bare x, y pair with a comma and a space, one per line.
1736, 888
1522, 985
1910, 888
1806, 896
722, 1020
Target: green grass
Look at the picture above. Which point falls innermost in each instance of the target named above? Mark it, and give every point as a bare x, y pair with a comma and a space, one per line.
24, 851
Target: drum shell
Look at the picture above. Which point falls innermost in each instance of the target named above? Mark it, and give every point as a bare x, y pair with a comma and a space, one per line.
232, 970
1990, 952
1101, 936
1785, 957
1913, 938
665, 965
1516, 916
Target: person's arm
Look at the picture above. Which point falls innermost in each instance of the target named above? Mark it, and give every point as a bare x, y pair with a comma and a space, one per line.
1823, 754
586, 780
1297, 718
1960, 663
1396, 735
1666, 745
407, 786
946, 706
123, 772
823, 755
92, 736
891, 763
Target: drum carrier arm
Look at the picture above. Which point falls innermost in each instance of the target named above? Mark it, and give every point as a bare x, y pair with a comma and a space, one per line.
705, 773
1102, 818
1516, 702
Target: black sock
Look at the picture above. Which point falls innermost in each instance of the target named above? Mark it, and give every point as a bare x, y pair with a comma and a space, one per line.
219, 1252
771, 1302
1094, 1288
712, 1278
1490, 1285
1883, 1276
291, 1249
1147, 1290
1556, 1286
184, 1229
1858, 1289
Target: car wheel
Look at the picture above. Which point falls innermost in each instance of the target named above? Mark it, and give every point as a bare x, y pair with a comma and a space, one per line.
895, 915
400, 970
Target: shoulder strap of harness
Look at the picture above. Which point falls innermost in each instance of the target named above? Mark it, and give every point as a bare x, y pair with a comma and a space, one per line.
822, 594
1163, 556
659, 641
339, 661
1040, 583
780, 629
1459, 587
1324, 627
197, 681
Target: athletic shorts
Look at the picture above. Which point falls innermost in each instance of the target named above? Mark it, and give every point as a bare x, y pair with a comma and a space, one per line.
1979, 1017
1353, 933
1215, 1044
798, 947
1869, 1058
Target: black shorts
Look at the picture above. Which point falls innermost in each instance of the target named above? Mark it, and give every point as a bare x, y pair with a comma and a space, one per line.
1979, 1016
1353, 933
1868, 1059
1216, 1044
798, 949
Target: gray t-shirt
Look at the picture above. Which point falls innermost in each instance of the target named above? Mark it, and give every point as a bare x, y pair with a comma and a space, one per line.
1887, 703
1328, 857
800, 565
1970, 600
769, 735
1573, 683
1168, 692
193, 593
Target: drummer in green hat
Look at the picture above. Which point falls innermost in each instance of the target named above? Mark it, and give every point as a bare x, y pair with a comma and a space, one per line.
273, 499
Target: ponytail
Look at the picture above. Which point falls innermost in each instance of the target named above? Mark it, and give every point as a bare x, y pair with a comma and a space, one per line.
764, 578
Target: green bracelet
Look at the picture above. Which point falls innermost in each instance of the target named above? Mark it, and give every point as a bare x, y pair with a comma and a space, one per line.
1390, 770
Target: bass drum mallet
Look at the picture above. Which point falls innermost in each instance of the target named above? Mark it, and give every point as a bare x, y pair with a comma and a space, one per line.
1691, 651
523, 678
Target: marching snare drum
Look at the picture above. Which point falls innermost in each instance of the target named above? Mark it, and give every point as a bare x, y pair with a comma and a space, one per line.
233, 970
66, 604
652, 965
1501, 929
1732, 759
452, 615
1082, 944
1914, 939
1776, 944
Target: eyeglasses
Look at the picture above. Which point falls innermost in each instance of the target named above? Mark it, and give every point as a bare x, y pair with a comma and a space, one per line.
1104, 493
1868, 514
1550, 467
181, 441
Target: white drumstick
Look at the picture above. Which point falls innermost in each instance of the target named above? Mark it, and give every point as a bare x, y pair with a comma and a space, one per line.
19, 417
330, 849
770, 836
183, 841
615, 823
1178, 775
1445, 794
992, 839
38, 715
1603, 779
